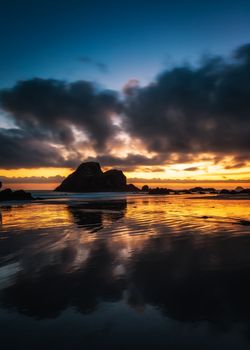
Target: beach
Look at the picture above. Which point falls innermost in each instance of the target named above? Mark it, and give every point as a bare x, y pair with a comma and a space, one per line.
125, 271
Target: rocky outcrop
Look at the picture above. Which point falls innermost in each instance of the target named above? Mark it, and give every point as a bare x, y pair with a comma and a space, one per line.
145, 188
224, 191
158, 190
89, 177
9, 195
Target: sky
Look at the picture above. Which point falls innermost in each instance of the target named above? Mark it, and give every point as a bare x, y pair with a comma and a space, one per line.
159, 89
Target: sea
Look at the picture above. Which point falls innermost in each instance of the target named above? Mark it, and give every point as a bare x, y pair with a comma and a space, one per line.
125, 271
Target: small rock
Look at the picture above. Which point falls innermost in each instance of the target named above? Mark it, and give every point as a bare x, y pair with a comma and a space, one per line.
9, 195
244, 222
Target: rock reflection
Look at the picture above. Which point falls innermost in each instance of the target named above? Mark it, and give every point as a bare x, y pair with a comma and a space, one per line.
97, 215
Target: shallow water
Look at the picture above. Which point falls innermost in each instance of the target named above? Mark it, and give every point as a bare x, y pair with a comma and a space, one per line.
138, 272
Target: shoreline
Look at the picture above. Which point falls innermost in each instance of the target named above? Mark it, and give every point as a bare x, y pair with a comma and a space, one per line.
100, 197
224, 197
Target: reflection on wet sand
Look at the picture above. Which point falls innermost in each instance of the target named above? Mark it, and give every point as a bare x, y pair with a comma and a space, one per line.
187, 259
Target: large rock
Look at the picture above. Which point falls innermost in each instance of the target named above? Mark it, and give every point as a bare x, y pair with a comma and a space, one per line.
89, 177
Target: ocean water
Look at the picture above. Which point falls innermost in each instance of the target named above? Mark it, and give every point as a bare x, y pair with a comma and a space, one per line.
117, 271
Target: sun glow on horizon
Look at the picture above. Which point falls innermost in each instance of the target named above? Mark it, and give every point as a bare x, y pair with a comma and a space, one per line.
177, 175
29, 172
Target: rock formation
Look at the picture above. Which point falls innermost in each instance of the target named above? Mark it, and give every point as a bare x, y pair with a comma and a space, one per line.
89, 177
9, 195
159, 190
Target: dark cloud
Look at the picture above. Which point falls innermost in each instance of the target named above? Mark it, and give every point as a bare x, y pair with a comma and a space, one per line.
20, 149
195, 109
49, 108
132, 161
185, 112
102, 67
236, 165
129, 163
192, 168
154, 170
46, 112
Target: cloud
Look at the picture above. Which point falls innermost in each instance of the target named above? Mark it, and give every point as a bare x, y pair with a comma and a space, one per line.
102, 67
236, 166
46, 112
184, 113
20, 149
130, 87
49, 108
130, 162
195, 109
192, 168
32, 179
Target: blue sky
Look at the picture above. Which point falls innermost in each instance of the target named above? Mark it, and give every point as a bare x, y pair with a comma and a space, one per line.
134, 39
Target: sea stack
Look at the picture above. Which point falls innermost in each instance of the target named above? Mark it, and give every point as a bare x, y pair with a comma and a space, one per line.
89, 177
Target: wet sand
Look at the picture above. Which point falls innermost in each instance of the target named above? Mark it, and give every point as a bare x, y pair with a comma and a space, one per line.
137, 272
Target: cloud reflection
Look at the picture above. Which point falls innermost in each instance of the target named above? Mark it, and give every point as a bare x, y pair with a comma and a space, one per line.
189, 268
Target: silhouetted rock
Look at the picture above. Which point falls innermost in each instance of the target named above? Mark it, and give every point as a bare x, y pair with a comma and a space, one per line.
246, 191
158, 190
6, 194
202, 190
9, 195
196, 189
186, 192
89, 177
239, 189
132, 188
244, 222
145, 188
22, 195
210, 189
224, 191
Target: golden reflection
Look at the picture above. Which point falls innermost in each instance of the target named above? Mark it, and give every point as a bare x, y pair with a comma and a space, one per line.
35, 216
141, 215
75, 231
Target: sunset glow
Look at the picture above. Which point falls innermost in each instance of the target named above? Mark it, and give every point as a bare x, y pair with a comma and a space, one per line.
170, 176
